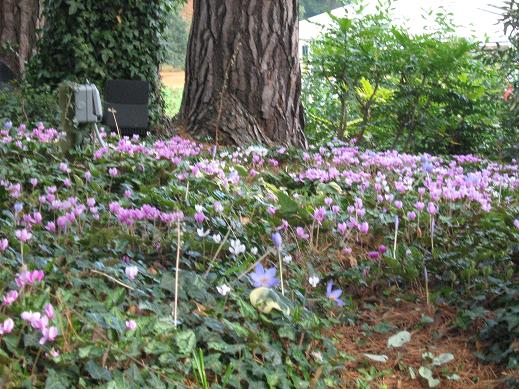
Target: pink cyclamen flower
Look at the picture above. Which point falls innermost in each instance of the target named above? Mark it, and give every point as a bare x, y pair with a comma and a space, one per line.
411, 215
4, 243
88, 176
398, 204
91, 202
131, 272
374, 255
10, 297
113, 172
131, 325
33, 181
49, 311
516, 223
364, 227
301, 233
199, 217
49, 334
7, 326
432, 209
320, 215
23, 235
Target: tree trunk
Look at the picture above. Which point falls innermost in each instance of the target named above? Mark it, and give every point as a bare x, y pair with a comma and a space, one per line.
243, 80
18, 25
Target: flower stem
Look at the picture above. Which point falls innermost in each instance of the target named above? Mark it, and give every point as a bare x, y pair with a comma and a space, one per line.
281, 272
177, 265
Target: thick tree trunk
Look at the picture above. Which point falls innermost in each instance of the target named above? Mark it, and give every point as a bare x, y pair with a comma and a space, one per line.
243, 80
18, 25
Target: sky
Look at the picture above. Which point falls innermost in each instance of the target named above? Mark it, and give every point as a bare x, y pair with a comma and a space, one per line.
473, 18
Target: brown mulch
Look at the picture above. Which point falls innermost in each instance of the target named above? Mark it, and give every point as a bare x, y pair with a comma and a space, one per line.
441, 336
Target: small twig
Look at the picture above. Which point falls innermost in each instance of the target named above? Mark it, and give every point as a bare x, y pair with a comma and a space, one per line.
112, 278
253, 265
217, 252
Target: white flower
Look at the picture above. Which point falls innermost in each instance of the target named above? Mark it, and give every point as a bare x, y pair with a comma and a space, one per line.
199, 208
223, 289
237, 247
131, 272
201, 233
317, 356
313, 280
254, 250
287, 259
217, 238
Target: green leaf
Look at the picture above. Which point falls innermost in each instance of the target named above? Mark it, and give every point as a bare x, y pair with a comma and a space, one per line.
442, 359
185, 341
97, 372
265, 300
56, 380
377, 358
399, 339
427, 374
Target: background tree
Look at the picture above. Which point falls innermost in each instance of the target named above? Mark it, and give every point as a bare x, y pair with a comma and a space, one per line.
309, 8
243, 80
18, 25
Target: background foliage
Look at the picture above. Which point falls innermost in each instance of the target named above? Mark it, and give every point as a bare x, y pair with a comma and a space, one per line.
369, 79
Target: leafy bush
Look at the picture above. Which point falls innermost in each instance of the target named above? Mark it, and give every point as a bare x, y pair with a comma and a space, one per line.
24, 103
375, 82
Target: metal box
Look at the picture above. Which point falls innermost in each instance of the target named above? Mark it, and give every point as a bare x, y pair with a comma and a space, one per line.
88, 108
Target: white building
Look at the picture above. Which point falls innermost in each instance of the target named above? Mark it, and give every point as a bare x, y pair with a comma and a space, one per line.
476, 19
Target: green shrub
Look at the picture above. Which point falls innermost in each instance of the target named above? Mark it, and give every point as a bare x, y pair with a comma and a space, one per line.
371, 80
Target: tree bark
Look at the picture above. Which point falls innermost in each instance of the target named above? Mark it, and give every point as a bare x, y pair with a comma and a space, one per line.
243, 80
18, 26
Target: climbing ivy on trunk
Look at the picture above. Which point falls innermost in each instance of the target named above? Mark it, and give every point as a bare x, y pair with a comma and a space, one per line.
98, 40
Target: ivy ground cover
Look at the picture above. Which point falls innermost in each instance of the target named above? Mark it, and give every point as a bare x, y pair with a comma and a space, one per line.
167, 263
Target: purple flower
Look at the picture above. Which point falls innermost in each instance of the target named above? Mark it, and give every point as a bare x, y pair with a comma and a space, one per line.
264, 277
334, 294
342, 227
382, 249
374, 255
4, 243
49, 311
199, 217
411, 215
432, 209
10, 297
23, 235
218, 207
319, 215
113, 172
131, 272
49, 334
88, 176
516, 223
33, 181
8, 124
277, 240
364, 227
131, 325
7, 326
301, 233
18, 207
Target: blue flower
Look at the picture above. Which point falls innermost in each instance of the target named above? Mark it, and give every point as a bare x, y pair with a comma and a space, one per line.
276, 239
334, 294
264, 277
